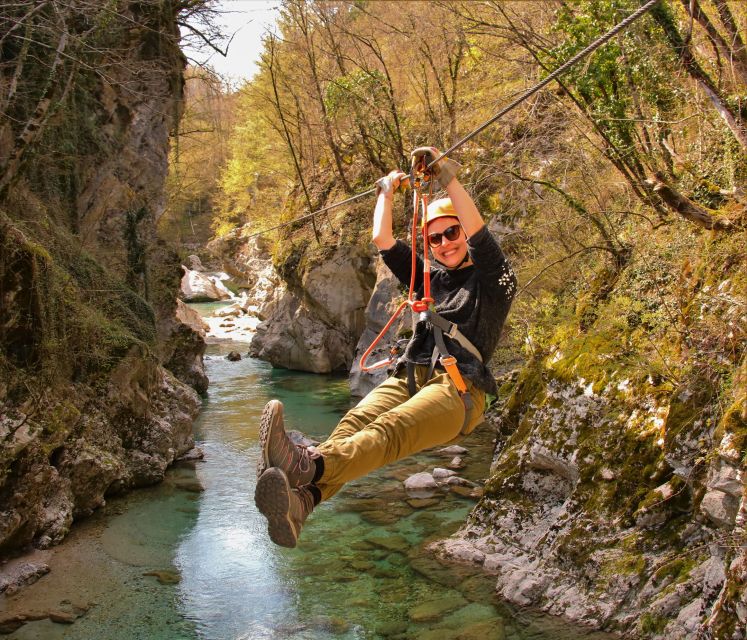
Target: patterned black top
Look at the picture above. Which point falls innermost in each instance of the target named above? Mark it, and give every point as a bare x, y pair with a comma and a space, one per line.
477, 298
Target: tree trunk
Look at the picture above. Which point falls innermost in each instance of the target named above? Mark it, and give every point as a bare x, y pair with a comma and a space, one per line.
291, 148
731, 116
301, 19
685, 207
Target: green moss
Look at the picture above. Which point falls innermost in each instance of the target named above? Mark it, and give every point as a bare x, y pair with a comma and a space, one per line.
733, 422
679, 499
74, 320
652, 625
528, 388
678, 569
626, 563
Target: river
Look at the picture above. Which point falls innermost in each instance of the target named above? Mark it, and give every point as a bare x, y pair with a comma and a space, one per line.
190, 558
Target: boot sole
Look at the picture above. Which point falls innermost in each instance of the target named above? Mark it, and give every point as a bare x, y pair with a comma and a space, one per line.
264, 433
272, 497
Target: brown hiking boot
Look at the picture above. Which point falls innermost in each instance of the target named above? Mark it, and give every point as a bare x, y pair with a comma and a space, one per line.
279, 451
285, 508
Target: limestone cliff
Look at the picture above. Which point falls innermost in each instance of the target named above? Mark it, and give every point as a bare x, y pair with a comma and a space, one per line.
94, 365
617, 496
312, 308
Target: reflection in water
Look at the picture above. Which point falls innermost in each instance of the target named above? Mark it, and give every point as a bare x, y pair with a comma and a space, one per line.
359, 571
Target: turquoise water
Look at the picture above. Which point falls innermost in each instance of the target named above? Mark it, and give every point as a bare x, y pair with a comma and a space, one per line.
359, 571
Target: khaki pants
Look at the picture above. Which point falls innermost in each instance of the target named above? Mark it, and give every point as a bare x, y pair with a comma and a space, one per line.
388, 425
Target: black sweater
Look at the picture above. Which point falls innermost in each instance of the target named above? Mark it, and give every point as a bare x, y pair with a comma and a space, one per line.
477, 298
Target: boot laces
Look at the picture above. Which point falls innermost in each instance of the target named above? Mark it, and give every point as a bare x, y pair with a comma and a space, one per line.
306, 456
306, 501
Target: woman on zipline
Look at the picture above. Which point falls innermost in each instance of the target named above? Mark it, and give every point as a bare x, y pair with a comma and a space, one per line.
472, 287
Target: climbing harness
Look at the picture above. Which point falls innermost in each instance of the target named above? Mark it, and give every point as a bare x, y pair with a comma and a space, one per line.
602, 40
421, 181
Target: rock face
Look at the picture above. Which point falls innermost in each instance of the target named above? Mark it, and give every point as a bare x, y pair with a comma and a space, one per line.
617, 495
536, 531
313, 323
383, 302
311, 315
95, 366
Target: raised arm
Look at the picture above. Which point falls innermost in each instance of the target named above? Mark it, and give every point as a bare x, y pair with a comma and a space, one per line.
469, 216
383, 237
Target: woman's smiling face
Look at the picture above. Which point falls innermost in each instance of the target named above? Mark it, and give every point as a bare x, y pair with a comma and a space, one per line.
449, 253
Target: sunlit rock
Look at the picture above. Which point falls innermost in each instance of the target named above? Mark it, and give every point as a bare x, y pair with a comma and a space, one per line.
720, 508
197, 287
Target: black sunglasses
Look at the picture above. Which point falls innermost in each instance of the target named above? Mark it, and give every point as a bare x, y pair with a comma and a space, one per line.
450, 233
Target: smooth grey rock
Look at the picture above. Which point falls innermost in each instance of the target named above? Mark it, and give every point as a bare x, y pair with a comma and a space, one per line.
720, 508
441, 474
421, 485
453, 450
315, 324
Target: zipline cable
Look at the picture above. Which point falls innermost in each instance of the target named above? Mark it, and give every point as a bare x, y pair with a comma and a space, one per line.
602, 40
559, 71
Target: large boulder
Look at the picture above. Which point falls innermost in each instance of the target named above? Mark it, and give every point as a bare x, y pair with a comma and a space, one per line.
190, 317
315, 324
198, 287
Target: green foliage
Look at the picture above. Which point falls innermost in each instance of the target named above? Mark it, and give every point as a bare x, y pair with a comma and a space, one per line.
358, 87
255, 180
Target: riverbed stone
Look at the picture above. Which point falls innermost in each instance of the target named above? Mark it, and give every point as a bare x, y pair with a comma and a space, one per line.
488, 630
390, 542
332, 624
233, 356
436, 609
421, 485
422, 503
189, 485
441, 474
362, 565
380, 518
165, 576
361, 545
391, 628
61, 616
453, 450
456, 464
17, 575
